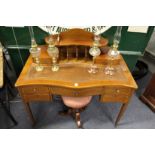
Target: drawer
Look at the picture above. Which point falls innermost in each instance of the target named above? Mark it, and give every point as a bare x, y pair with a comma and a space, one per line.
77, 92
116, 94
117, 91
115, 98
41, 97
35, 89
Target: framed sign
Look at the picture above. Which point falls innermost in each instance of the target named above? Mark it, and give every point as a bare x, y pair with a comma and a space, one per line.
58, 29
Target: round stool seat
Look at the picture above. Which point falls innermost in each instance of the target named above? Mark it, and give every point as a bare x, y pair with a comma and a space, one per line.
76, 102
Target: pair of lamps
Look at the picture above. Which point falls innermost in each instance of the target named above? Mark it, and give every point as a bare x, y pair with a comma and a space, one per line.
52, 51
112, 53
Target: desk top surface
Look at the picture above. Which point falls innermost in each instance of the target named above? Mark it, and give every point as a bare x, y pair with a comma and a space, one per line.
74, 74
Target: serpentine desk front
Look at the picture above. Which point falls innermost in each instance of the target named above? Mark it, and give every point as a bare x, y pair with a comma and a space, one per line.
74, 80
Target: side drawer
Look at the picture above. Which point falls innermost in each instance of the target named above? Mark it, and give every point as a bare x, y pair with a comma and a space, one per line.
77, 92
35, 89
41, 97
116, 98
116, 94
117, 90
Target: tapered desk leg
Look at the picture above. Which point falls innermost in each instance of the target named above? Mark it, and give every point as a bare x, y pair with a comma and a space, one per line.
122, 110
28, 109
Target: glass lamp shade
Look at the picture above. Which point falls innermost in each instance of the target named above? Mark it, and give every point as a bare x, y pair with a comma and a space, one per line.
94, 51
113, 53
35, 52
53, 51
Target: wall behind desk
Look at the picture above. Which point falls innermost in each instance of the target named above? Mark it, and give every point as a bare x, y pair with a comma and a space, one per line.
133, 44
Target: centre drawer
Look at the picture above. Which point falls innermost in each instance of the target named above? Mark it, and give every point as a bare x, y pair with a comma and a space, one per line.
35, 90
77, 92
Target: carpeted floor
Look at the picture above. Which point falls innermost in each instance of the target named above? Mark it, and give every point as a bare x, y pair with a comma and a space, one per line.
96, 116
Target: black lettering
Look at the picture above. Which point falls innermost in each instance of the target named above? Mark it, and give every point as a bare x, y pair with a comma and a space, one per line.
93, 29
88, 29
58, 29
53, 28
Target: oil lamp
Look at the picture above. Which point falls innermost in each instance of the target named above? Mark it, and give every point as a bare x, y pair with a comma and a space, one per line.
35, 53
53, 52
113, 53
94, 51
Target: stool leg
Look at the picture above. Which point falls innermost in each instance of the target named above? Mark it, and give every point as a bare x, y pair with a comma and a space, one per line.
78, 120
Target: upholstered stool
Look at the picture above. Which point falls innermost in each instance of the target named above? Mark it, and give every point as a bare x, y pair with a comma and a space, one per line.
76, 105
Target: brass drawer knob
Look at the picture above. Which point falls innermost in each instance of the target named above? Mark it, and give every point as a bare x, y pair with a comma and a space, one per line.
76, 84
34, 89
117, 90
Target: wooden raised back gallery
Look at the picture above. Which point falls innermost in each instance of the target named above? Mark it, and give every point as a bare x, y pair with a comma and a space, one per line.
75, 43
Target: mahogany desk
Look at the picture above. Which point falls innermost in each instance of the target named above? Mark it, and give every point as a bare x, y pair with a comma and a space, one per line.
73, 79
